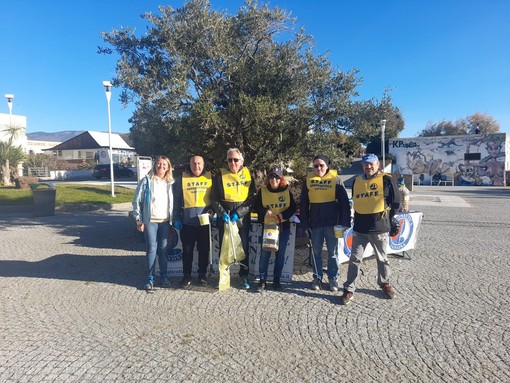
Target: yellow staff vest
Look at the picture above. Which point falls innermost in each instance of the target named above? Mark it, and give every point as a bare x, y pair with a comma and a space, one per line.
321, 189
196, 190
368, 195
236, 187
276, 202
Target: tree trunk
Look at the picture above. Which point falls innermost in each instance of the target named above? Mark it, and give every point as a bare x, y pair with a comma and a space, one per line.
6, 173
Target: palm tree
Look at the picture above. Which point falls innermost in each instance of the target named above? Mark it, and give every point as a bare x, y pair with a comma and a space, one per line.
10, 155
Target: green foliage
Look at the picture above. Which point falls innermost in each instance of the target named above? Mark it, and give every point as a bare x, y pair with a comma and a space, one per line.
69, 194
14, 154
204, 81
10, 155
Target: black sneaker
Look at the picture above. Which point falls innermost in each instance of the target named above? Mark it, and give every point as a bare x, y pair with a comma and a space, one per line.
261, 287
202, 280
185, 281
276, 284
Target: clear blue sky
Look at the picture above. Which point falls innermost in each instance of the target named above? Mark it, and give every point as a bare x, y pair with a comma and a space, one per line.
443, 59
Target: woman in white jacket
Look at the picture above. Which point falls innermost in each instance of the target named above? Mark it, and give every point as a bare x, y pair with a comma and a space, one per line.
152, 209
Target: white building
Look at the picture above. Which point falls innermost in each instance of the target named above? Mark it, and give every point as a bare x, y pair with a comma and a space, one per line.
471, 160
38, 146
94, 146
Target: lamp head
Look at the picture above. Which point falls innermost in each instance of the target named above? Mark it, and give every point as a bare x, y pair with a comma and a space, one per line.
107, 85
9, 97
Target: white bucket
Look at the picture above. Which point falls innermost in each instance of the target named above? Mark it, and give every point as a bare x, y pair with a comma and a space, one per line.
338, 231
203, 219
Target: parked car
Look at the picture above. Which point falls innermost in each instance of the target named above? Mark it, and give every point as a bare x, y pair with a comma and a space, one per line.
118, 171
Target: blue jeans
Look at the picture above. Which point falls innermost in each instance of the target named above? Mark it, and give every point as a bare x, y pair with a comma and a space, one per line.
156, 241
279, 257
319, 234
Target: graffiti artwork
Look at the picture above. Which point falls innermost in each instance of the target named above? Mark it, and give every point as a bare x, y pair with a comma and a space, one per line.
472, 160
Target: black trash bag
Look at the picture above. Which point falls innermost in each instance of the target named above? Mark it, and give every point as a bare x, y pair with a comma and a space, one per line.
395, 227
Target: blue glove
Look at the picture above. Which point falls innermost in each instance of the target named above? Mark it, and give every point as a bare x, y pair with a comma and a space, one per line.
178, 225
225, 217
234, 217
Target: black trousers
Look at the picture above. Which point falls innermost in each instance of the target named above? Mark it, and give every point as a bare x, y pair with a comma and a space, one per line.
191, 235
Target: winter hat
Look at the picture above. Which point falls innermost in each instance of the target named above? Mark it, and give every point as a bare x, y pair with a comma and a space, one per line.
323, 158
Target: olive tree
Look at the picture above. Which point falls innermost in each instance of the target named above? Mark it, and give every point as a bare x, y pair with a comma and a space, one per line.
204, 81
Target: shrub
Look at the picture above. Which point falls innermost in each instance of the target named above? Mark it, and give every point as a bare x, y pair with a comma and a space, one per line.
23, 182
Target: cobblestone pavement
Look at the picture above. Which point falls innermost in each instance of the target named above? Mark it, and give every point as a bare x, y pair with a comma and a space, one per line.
72, 309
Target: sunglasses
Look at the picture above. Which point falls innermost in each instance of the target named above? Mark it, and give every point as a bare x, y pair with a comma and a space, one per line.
233, 160
319, 166
273, 176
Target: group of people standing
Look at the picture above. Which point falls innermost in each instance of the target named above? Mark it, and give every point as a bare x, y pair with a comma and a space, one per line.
161, 202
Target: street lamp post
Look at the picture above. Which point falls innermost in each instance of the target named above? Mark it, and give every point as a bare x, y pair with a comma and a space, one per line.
383, 146
9, 98
108, 90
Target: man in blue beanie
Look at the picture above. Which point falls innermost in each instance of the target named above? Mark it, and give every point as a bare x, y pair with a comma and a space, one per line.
376, 200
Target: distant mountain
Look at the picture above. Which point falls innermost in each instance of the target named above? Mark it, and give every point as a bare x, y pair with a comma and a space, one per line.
65, 135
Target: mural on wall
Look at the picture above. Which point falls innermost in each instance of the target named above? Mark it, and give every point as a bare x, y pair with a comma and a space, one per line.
474, 160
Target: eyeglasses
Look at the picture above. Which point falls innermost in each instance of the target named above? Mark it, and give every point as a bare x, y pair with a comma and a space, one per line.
273, 176
319, 166
233, 160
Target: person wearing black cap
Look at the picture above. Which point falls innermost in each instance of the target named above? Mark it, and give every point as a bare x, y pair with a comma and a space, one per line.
324, 204
274, 204
376, 200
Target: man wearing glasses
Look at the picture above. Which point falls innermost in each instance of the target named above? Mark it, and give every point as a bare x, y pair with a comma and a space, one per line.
232, 195
324, 204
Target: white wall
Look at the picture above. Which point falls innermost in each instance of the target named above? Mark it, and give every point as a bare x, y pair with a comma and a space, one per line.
426, 156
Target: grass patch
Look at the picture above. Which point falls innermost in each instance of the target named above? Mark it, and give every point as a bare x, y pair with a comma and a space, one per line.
10, 196
69, 194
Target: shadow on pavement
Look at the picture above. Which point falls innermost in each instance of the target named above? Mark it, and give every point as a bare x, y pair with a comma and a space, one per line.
119, 270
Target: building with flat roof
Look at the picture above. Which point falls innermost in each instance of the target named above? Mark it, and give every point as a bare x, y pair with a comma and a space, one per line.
470, 160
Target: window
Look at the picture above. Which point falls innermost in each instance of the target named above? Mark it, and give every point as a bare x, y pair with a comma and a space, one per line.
472, 156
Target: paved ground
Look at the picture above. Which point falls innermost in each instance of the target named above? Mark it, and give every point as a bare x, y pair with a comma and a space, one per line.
71, 308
